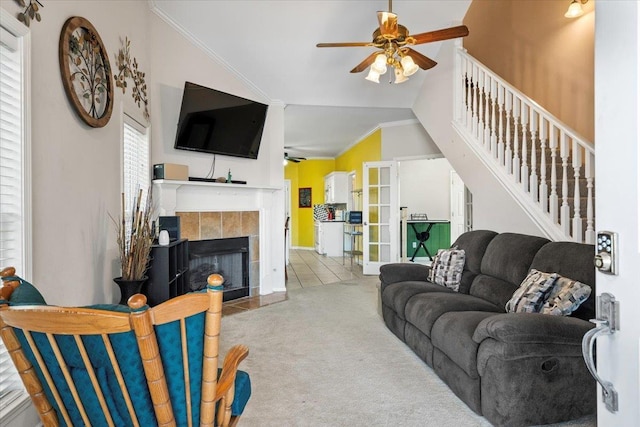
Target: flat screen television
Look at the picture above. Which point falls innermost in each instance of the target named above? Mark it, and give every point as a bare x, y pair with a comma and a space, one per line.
219, 123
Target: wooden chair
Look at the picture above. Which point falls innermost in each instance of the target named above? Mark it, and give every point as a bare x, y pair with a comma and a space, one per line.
135, 366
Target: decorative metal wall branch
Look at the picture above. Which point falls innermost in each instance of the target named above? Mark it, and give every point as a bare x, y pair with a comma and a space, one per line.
31, 12
129, 69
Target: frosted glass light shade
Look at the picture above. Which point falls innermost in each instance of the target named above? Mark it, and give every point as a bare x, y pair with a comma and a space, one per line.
575, 10
408, 66
400, 78
373, 75
380, 64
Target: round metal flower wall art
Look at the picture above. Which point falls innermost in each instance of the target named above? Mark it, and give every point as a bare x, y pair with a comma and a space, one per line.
128, 69
85, 70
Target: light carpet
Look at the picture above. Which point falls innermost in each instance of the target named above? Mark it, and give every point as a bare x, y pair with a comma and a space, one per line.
325, 358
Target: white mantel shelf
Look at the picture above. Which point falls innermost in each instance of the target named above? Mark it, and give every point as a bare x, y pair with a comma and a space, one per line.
217, 185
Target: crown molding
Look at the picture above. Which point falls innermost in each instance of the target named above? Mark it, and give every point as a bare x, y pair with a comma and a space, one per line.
200, 45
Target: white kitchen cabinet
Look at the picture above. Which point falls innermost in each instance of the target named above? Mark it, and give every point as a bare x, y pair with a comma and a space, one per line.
336, 188
328, 237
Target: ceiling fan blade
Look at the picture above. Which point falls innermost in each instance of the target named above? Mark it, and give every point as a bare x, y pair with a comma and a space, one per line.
438, 35
388, 24
347, 44
364, 64
421, 61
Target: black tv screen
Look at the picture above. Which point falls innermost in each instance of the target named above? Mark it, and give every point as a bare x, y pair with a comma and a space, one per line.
219, 123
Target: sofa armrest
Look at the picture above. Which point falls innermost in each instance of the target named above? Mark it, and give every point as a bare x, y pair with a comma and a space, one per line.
530, 328
402, 272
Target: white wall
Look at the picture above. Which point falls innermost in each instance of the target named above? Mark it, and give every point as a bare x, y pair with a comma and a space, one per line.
493, 207
406, 139
77, 169
425, 187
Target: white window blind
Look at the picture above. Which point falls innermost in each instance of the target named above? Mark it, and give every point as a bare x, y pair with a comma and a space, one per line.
136, 163
12, 205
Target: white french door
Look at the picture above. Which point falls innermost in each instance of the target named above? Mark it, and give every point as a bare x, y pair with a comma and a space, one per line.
379, 215
617, 108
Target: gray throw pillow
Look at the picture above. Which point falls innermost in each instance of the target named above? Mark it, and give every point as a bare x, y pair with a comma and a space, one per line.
532, 293
565, 297
446, 269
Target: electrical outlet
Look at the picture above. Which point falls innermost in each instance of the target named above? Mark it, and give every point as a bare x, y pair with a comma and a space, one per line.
414, 244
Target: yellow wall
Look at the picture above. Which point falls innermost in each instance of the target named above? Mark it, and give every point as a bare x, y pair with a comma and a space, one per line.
550, 58
367, 150
309, 173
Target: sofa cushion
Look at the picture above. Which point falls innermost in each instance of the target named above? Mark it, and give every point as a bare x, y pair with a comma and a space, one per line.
565, 297
509, 256
574, 260
25, 293
446, 269
453, 332
423, 310
474, 244
496, 291
532, 293
396, 295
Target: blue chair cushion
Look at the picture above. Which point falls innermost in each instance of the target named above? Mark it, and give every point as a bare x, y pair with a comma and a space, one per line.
242, 392
25, 294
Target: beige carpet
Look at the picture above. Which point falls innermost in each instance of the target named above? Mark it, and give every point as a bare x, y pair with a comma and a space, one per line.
325, 358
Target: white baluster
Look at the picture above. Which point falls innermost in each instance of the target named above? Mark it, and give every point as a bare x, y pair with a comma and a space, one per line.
500, 125
590, 234
524, 171
494, 138
476, 91
553, 198
508, 153
516, 147
462, 110
544, 198
481, 93
486, 137
565, 222
576, 160
469, 99
533, 177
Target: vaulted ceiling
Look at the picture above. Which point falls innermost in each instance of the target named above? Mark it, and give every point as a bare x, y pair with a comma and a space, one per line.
272, 46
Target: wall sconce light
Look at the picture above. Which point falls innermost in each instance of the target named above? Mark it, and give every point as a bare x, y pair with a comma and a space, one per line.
575, 9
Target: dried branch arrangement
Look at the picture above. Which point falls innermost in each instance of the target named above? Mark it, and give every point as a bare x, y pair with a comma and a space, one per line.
135, 244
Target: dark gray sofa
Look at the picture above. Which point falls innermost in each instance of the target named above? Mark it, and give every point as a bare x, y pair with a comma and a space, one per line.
515, 369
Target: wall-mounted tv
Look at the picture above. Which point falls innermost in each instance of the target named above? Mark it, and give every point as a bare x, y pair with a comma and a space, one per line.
219, 123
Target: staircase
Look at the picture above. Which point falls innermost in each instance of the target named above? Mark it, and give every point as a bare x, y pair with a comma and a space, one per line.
544, 165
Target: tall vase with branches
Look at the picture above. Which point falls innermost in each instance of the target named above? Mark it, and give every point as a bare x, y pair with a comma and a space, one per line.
134, 245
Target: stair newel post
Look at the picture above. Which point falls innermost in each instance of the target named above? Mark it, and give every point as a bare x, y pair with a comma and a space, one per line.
533, 177
469, 88
494, 138
576, 162
486, 137
544, 192
524, 170
500, 89
564, 209
590, 234
516, 146
474, 102
553, 198
508, 153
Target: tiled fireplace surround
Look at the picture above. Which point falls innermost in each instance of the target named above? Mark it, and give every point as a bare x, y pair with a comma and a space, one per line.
222, 225
218, 210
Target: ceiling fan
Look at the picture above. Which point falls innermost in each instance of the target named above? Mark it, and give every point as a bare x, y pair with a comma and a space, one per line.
293, 159
394, 40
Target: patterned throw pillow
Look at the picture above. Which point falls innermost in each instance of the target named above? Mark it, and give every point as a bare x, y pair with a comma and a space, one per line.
565, 297
446, 269
532, 293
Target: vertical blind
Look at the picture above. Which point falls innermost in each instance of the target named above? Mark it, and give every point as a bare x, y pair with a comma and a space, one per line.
11, 188
136, 164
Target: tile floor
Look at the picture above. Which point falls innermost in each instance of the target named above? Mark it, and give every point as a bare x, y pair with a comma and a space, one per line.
306, 268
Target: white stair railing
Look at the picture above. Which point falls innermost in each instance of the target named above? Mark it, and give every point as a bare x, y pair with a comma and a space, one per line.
546, 166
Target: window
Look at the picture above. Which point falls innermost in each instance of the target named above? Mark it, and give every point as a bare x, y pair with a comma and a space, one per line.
15, 218
135, 163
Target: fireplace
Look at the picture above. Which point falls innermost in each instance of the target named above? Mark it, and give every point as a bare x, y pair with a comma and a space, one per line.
227, 257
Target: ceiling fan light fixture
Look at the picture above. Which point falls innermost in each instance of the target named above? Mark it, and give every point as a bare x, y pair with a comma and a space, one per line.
400, 77
575, 9
380, 64
373, 75
408, 66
